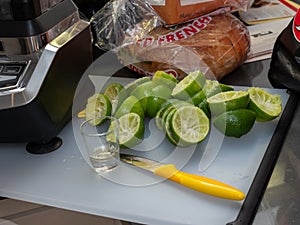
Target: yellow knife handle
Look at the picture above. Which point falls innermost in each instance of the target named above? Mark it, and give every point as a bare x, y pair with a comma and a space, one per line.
199, 183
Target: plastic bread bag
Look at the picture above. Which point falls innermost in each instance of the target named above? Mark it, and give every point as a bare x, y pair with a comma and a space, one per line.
120, 18
180, 11
214, 44
284, 69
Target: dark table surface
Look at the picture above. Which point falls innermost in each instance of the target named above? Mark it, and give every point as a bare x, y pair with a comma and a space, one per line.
280, 204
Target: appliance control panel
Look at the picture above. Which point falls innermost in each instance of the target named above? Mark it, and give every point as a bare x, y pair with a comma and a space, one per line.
11, 73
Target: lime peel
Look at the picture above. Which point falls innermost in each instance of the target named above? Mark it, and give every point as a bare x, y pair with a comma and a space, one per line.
189, 85
98, 105
131, 130
189, 125
266, 106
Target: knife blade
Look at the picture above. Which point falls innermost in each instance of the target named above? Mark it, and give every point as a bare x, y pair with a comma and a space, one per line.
198, 183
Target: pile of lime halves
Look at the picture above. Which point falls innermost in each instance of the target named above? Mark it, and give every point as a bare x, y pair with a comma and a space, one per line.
183, 109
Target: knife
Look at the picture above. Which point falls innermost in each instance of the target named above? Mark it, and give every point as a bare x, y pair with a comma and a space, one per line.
195, 182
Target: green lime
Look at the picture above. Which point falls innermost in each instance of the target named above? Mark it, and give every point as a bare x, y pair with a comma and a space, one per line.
189, 85
131, 130
225, 87
189, 125
97, 105
116, 94
205, 108
235, 123
167, 128
161, 77
132, 85
266, 106
130, 104
174, 105
229, 100
154, 104
198, 97
162, 114
151, 96
142, 91
210, 88
158, 117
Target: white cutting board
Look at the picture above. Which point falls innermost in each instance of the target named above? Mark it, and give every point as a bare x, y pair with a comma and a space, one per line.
64, 179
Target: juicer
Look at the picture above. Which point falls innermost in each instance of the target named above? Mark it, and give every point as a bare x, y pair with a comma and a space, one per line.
45, 47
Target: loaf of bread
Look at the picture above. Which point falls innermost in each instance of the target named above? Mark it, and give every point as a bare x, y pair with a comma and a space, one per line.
179, 11
216, 45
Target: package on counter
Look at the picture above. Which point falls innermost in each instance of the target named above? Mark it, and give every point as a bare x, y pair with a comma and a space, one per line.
120, 18
216, 45
179, 11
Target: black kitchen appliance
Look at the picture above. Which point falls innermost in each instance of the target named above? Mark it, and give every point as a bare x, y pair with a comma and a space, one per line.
45, 47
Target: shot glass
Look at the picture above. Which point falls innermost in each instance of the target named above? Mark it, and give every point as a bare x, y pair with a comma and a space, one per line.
102, 143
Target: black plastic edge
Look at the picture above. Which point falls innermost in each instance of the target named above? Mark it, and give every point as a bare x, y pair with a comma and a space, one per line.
40, 24
256, 192
44, 148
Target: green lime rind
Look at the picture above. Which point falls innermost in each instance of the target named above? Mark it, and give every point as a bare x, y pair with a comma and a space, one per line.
167, 128
116, 94
227, 101
151, 96
198, 97
205, 108
266, 106
132, 85
189, 85
235, 123
153, 105
98, 105
131, 130
211, 87
130, 105
158, 117
225, 87
161, 77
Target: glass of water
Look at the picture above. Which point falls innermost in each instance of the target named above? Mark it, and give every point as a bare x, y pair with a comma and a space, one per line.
102, 142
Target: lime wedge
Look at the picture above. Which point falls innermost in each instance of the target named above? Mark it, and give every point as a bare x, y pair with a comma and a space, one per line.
132, 85
205, 108
130, 104
116, 94
97, 105
158, 117
266, 106
151, 96
175, 105
235, 123
189, 125
131, 130
189, 85
226, 101
161, 77
167, 128
225, 87
210, 88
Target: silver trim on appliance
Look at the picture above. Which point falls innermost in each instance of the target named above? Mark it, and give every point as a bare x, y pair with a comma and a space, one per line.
18, 84
24, 94
28, 45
